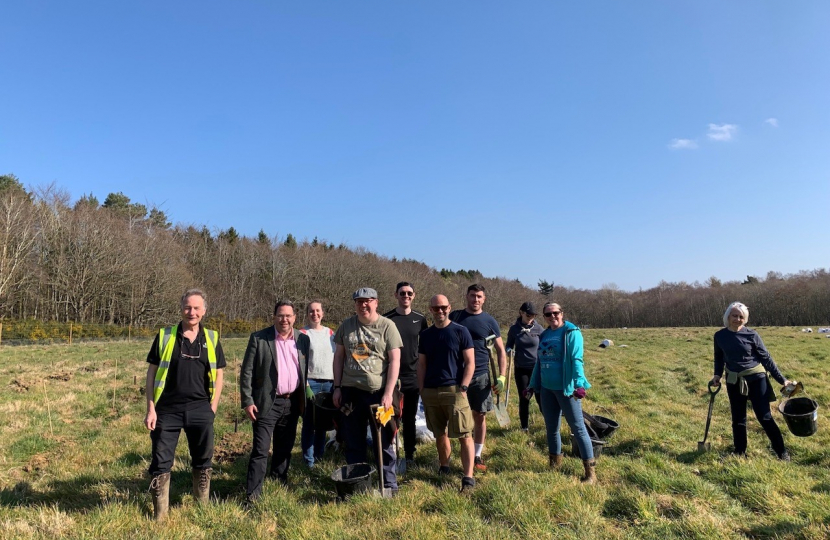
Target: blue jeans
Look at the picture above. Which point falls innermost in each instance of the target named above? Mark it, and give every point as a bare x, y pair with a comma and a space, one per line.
554, 404
312, 441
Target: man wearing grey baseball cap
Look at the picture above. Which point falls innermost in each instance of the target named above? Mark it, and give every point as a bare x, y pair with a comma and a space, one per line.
366, 363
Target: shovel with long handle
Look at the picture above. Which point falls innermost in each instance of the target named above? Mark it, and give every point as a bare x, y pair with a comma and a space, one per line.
378, 446
703, 446
509, 376
499, 406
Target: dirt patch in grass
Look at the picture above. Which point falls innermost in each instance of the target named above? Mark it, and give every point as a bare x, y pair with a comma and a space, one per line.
37, 462
231, 447
20, 386
65, 376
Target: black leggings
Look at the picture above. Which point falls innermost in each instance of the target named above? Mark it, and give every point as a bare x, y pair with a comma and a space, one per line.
522, 382
760, 405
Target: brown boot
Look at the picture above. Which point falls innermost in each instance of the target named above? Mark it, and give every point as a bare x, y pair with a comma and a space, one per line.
201, 485
160, 488
590, 473
555, 460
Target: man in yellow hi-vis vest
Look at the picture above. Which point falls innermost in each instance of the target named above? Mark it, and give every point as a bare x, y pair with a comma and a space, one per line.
184, 384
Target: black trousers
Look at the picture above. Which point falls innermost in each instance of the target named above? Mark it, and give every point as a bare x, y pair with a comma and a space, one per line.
279, 425
410, 409
198, 428
522, 382
353, 427
760, 405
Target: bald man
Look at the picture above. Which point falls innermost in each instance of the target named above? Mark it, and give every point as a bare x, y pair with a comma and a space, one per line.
446, 363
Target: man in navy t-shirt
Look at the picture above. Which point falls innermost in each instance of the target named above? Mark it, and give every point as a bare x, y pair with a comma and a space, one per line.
445, 368
481, 325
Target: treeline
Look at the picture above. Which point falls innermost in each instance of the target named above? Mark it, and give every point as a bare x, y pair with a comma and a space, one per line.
121, 263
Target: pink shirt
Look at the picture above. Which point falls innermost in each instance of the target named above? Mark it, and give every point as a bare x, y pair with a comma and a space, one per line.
288, 365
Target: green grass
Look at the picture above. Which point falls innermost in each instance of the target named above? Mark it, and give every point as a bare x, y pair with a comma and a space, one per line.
85, 476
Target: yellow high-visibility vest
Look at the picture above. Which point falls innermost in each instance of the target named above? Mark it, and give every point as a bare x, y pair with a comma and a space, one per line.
166, 353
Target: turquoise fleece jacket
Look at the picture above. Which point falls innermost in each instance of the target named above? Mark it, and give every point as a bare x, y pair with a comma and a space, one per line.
573, 375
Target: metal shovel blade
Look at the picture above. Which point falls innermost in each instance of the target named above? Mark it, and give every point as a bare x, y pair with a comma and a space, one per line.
704, 446
499, 404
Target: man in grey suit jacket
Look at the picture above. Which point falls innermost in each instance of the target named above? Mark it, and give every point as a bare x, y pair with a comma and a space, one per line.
272, 388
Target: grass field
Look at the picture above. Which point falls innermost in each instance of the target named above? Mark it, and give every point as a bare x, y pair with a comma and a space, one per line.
73, 456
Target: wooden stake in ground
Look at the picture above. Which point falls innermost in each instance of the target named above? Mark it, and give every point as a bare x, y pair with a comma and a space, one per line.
1, 333
70, 333
236, 392
115, 384
48, 409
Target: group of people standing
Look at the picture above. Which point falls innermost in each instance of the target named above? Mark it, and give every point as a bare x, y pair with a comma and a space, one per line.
373, 360
393, 360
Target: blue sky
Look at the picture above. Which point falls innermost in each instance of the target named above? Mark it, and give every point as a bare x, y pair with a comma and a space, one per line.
584, 143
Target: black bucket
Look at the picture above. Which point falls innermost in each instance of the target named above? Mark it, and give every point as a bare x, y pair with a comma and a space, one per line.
596, 444
801, 415
324, 411
353, 479
610, 430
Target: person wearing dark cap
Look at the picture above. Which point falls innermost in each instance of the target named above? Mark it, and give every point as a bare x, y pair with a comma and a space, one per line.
366, 363
523, 340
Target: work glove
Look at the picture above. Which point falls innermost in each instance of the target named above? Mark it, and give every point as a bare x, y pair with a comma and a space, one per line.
309, 393
499, 386
579, 393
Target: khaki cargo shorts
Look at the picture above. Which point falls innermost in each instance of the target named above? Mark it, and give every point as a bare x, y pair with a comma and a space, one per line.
447, 411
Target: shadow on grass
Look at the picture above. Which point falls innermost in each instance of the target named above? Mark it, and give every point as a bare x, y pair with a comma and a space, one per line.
781, 529
87, 492
80, 494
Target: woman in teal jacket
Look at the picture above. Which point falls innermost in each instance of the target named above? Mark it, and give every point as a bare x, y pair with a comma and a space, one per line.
559, 379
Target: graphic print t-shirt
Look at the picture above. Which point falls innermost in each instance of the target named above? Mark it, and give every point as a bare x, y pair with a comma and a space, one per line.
367, 347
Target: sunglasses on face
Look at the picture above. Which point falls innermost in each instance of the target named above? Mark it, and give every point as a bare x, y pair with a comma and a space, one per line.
406, 293
439, 308
553, 313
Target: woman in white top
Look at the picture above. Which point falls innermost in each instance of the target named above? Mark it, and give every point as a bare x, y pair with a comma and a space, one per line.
320, 379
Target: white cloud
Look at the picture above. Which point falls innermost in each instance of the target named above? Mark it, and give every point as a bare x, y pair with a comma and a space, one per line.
772, 121
682, 144
723, 132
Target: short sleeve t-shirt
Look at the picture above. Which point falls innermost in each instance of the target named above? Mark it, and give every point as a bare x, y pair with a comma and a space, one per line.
444, 348
367, 347
481, 326
409, 326
187, 385
551, 354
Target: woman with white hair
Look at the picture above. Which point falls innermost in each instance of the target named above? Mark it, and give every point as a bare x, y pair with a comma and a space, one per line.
748, 365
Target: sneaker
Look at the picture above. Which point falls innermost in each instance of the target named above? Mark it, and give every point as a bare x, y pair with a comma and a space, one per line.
784, 456
444, 470
479, 464
467, 484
